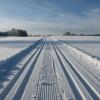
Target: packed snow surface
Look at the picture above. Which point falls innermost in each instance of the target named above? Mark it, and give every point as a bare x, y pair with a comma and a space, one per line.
89, 44
50, 68
10, 46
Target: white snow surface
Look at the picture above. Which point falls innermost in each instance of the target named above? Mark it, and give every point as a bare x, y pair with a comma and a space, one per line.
88, 44
46, 71
18, 38
79, 38
89, 55
6, 52
9, 46
85, 56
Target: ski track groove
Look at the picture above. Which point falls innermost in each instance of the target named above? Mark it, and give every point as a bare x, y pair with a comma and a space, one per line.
26, 79
13, 81
94, 94
48, 86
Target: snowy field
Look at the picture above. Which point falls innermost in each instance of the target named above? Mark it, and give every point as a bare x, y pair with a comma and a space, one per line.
50, 68
89, 44
10, 46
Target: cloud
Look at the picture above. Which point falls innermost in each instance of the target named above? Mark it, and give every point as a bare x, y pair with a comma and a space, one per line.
47, 17
33, 27
91, 21
92, 12
63, 22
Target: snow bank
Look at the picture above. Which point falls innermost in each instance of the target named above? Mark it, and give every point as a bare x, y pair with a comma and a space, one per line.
19, 38
10, 62
6, 52
9, 46
78, 38
85, 56
82, 54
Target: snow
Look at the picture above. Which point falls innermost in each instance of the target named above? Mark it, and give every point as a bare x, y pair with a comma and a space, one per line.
82, 60
12, 52
19, 38
88, 44
78, 38
93, 50
76, 62
86, 49
85, 56
9, 46
6, 52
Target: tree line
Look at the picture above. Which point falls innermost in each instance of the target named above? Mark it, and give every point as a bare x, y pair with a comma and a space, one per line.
81, 34
14, 32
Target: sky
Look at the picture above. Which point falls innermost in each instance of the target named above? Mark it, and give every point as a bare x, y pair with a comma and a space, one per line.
51, 16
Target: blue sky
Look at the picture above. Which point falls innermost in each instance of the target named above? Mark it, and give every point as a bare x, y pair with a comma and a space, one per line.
51, 16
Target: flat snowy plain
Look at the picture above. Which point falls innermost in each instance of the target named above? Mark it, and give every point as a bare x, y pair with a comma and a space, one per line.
89, 44
9, 46
50, 68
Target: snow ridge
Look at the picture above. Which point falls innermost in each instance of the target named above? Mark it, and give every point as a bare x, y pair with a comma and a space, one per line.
85, 56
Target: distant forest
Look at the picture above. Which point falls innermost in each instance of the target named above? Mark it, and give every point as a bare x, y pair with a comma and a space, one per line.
81, 34
14, 32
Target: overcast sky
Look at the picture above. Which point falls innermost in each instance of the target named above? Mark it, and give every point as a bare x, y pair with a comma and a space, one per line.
50, 16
